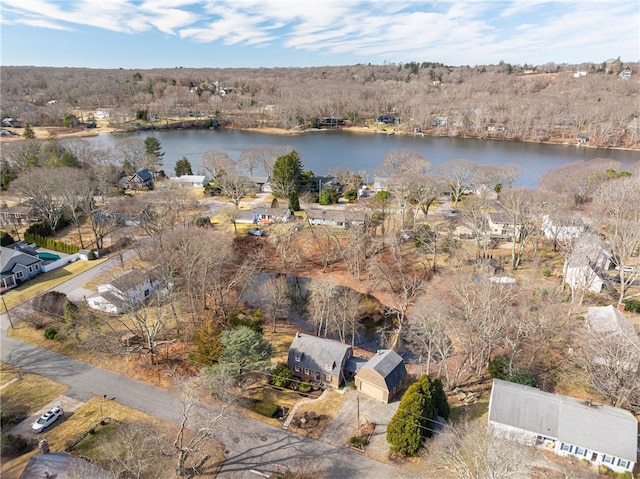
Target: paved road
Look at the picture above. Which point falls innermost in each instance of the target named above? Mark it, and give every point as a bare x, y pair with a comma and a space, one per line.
249, 444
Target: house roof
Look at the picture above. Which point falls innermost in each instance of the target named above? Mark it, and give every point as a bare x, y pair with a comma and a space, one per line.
62, 465
130, 280
10, 257
607, 320
338, 216
597, 427
354, 364
389, 365
144, 175
200, 179
318, 354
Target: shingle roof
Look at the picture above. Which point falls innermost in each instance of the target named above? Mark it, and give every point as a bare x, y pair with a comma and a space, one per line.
318, 354
607, 320
10, 257
145, 175
389, 365
597, 427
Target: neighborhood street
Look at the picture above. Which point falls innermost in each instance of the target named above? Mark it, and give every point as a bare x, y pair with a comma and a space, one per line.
250, 445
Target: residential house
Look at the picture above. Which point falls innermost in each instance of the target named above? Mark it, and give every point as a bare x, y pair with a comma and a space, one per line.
141, 179
382, 376
626, 73
501, 225
567, 426
440, 121
194, 181
318, 360
62, 465
17, 267
583, 266
267, 216
18, 215
582, 138
608, 321
120, 294
342, 218
564, 229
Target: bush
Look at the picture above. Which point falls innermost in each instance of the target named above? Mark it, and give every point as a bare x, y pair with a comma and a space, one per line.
546, 272
50, 333
281, 376
39, 228
253, 321
6, 239
91, 256
202, 221
351, 195
265, 408
632, 305
304, 388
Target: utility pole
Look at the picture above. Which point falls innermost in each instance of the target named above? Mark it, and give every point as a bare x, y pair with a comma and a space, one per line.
6, 310
358, 409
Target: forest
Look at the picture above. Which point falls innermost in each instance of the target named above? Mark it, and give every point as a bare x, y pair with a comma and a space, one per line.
547, 103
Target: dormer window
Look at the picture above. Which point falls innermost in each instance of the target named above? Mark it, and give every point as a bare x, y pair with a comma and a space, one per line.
298, 357
328, 366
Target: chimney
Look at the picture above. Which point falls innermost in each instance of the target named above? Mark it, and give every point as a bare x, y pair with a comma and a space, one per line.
621, 307
297, 334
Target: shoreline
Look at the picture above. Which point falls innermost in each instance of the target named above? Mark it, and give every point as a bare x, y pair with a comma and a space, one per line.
44, 133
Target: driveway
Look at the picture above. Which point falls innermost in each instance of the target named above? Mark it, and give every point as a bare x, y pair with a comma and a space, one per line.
344, 423
250, 445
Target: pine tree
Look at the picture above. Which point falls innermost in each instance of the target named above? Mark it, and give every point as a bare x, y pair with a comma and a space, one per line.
404, 432
28, 132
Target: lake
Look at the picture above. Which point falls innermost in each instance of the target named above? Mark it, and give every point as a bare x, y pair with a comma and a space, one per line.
321, 151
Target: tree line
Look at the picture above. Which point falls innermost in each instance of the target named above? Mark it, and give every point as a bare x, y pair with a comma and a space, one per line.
541, 103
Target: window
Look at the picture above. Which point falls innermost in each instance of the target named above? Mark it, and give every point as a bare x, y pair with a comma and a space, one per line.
297, 357
306, 370
623, 463
328, 366
19, 274
580, 451
30, 269
608, 459
328, 377
565, 447
297, 368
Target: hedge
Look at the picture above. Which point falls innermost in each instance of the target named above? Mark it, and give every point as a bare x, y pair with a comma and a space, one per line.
52, 244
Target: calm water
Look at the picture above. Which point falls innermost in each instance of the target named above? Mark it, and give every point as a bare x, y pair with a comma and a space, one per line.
362, 152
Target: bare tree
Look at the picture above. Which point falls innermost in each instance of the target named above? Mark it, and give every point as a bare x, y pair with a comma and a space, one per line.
612, 365
77, 192
217, 164
196, 429
473, 451
321, 305
131, 152
275, 291
461, 174
41, 186
135, 452
615, 204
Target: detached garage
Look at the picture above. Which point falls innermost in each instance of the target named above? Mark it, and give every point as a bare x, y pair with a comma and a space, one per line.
381, 377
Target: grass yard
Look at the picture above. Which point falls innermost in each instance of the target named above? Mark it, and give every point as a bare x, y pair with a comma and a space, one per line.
87, 418
45, 282
24, 397
7, 373
477, 410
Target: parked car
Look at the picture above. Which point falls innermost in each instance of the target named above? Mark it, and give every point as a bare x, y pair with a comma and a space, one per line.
256, 232
47, 419
625, 268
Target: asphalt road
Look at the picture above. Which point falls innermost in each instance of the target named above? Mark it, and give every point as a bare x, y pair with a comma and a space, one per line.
249, 445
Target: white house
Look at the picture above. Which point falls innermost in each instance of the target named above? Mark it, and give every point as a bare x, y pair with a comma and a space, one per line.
608, 321
584, 263
194, 181
123, 292
567, 426
341, 218
567, 229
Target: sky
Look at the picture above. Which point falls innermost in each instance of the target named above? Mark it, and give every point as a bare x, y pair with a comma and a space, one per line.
301, 33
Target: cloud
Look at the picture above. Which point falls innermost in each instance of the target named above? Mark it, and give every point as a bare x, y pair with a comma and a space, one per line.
453, 32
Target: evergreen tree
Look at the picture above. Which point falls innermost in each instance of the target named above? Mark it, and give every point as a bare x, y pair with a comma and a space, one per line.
183, 167
404, 433
294, 201
28, 132
286, 174
439, 398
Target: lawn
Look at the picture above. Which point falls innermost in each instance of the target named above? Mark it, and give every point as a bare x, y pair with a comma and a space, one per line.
24, 397
87, 418
45, 282
472, 411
